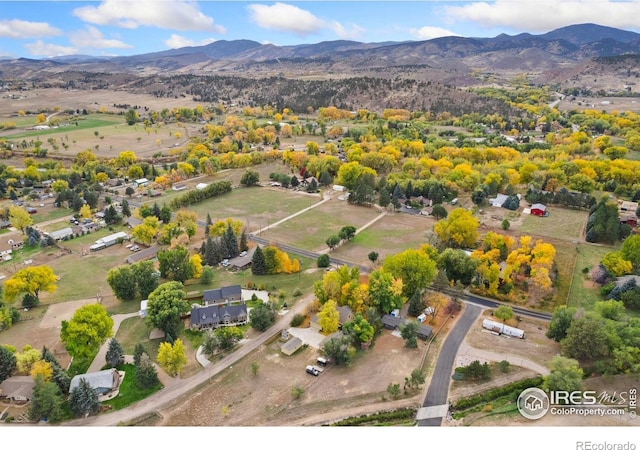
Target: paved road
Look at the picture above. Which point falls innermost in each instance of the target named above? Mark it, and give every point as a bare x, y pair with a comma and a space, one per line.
438, 391
166, 396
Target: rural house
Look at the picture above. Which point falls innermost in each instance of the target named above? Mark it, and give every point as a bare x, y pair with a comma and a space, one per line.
225, 294
7, 246
214, 316
392, 322
17, 389
103, 382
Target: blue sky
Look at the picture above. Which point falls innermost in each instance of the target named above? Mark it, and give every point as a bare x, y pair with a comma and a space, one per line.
38, 29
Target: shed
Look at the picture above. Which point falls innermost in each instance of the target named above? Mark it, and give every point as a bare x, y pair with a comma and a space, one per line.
499, 200
18, 388
58, 235
538, 209
291, 346
141, 182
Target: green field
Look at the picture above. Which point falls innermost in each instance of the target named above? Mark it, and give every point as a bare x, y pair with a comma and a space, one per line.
562, 223
256, 207
87, 122
311, 229
393, 233
583, 291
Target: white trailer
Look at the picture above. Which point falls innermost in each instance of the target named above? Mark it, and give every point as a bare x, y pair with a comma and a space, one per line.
502, 329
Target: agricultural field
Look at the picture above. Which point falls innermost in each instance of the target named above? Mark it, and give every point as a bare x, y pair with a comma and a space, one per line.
311, 229
257, 207
391, 234
562, 223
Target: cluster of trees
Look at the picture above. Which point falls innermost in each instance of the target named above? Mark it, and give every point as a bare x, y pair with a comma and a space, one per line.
195, 196
271, 260
622, 262
346, 233
519, 257
604, 224
133, 281
165, 309
561, 197
605, 338
176, 264
222, 241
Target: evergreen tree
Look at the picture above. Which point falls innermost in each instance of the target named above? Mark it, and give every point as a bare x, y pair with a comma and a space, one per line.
385, 198
156, 210
258, 266
208, 224
244, 246
208, 256
165, 214
416, 303
294, 181
83, 400
111, 216
138, 351
231, 242
126, 212
115, 354
46, 402
146, 375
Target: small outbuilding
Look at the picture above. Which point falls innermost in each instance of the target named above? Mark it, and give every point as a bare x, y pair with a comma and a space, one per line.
538, 209
291, 346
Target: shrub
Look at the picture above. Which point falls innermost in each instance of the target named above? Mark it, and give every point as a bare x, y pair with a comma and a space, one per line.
297, 320
323, 261
512, 389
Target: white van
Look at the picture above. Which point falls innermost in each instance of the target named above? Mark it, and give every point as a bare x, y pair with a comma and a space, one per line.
454, 201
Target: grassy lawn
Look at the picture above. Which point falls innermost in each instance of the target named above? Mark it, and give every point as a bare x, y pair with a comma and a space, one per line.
87, 122
51, 214
256, 207
83, 276
311, 229
133, 331
583, 292
129, 392
561, 223
391, 234
285, 284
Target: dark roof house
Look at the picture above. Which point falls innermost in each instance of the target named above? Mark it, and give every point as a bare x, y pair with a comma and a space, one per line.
392, 322
225, 294
214, 316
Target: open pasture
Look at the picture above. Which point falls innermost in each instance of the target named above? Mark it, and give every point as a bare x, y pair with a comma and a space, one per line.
389, 235
561, 223
256, 207
311, 229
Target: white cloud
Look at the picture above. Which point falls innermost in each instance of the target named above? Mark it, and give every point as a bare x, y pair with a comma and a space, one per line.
545, 15
282, 17
21, 29
354, 31
175, 15
92, 37
177, 41
431, 32
40, 48
291, 19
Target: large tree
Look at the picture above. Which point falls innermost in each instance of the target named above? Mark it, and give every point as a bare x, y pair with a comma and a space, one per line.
328, 317
560, 322
7, 363
83, 399
175, 265
258, 266
87, 330
414, 267
46, 401
340, 350
30, 280
385, 291
262, 316
146, 375
566, 375
459, 230
123, 282
586, 338
115, 354
172, 357
457, 265
19, 218
409, 332
359, 328
165, 308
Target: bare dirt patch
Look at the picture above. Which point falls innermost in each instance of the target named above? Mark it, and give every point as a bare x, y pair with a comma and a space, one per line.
238, 398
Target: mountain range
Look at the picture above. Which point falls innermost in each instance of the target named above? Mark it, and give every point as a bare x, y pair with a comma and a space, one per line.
524, 52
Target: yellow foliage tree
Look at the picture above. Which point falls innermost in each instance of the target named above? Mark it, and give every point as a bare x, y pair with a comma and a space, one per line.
328, 317
172, 358
41, 368
27, 358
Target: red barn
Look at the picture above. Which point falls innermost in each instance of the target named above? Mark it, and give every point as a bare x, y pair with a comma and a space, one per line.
538, 209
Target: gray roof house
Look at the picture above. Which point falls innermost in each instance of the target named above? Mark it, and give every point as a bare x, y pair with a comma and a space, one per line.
215, 316
225, 294
392, 322
103, 382
290, 347
18, 388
